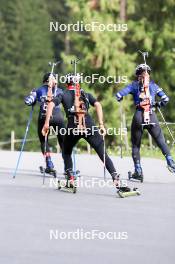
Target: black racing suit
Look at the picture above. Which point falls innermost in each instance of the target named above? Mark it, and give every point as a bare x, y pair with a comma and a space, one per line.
154, 130
94, 139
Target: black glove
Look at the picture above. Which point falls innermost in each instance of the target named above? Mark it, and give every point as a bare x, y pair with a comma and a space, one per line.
157, 105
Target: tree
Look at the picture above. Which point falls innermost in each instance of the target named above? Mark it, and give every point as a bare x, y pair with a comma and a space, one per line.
25, 51
102, 52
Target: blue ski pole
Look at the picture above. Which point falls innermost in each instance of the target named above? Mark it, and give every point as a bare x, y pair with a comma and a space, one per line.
104, 157
74, 161
45, 147
24, 141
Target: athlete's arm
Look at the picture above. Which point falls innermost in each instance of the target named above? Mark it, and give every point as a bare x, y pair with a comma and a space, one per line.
93, 101
31, 98
164, 99
56, 101
99, 111
125, 91
50, 107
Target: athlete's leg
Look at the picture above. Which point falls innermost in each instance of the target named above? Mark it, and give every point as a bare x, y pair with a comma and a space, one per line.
136, 135
70, 141
57, 122
96, 142
157, 134
49, 163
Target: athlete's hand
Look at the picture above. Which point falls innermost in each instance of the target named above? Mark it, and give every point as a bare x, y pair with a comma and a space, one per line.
28, 100
45, 129
102, 130
157, 104
119, 97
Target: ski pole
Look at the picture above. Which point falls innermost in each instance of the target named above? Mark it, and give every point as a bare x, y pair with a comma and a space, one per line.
74, 161
45, 150
104, 157
121, 125
171, 134
53, 64
23, 141
144, 54
74, 62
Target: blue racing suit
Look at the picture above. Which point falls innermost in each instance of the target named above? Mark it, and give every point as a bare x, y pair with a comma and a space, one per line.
40, 95
134, 89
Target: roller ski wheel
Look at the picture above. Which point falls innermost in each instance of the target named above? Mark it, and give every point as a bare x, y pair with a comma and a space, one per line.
124, 194
135, 176
66, 185
48, 171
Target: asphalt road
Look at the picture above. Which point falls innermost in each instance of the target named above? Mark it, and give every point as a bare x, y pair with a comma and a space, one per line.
36, 221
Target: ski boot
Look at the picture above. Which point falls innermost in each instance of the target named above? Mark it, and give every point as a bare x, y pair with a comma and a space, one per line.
138, 174
69, 182
170, 164
71, 179
75, 173
49, 168
117, 182
122, 187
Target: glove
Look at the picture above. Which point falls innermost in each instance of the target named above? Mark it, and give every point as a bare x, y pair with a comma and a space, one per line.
119, 97
158, 104
29, 100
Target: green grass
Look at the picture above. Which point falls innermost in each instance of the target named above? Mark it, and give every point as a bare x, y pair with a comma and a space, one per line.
112, 151
145, 151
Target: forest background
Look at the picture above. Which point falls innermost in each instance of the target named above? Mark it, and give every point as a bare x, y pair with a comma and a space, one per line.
27, 45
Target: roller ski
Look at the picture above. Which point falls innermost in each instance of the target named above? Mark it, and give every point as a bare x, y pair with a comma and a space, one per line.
137, 175
123, 193
49, 168
123, 190
69, 183
170, 164
48, 171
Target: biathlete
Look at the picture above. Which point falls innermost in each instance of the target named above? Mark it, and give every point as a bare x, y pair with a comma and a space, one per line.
145, 109
93, 137
43, 94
